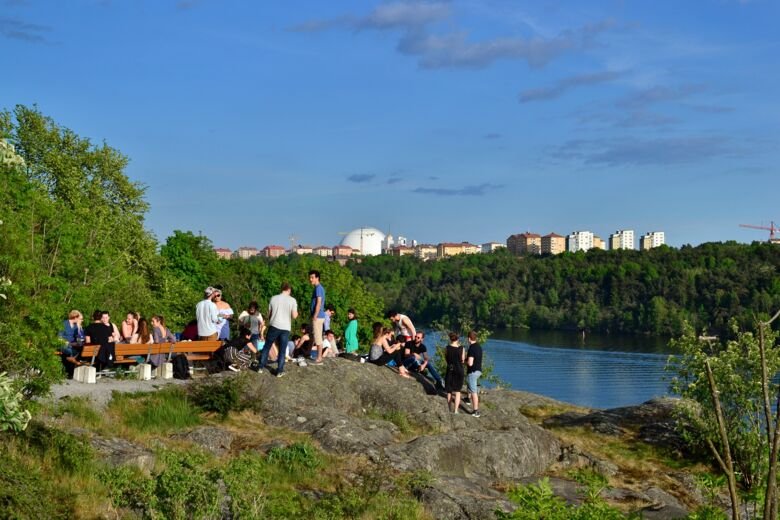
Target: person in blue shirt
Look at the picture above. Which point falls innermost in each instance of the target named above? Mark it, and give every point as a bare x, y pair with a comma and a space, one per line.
72, 334
317, 313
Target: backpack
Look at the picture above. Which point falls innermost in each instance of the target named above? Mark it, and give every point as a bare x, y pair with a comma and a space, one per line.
181, 367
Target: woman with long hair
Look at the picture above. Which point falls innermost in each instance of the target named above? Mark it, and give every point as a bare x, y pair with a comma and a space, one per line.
142, 334
160, 334
384, 349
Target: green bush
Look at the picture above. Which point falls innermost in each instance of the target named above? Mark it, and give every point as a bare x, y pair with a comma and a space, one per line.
13, 417
258, 489
186, 488
222, 397
128, 487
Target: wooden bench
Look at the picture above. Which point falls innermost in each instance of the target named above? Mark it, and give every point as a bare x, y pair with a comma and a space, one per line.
122, 352
195, 350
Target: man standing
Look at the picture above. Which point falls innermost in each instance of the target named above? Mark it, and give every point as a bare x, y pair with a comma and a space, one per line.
317, 313
282, 310
416, 358
207, 315
473, 371
402, 324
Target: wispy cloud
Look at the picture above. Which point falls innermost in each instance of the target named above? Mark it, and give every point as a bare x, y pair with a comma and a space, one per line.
644, 152
492, 136
711, 109
466, 191
361, 177
24, 31
566, 84
395, 15
660, 94
393, 180
184, 5
453, 48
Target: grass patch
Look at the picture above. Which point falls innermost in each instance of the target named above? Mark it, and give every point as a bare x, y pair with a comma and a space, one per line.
79, 410
159, 412
398, 418
296, 458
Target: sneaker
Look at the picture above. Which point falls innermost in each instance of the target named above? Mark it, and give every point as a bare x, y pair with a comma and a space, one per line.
280, 374
300, 359
303, 364
475, 413
259, 370
234, 368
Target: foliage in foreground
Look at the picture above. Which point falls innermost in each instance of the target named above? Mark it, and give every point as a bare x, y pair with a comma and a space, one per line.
727, 410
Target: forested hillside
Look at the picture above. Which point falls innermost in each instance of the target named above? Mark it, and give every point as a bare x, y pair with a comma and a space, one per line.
651, 292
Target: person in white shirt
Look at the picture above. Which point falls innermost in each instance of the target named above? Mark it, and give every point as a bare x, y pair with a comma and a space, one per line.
207, 315
282, 310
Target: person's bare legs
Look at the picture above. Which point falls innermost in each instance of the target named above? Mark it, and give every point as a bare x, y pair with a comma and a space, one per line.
449, 400
457, 401
474, 401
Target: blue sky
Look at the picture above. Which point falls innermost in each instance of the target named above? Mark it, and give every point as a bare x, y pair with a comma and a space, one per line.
441, 121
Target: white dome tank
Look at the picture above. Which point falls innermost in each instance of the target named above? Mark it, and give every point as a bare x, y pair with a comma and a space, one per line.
367, 240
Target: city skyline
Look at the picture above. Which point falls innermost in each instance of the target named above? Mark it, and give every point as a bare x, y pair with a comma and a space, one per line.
444, 120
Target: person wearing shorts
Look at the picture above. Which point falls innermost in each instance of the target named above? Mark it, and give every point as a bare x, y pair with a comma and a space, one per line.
473, 371
317, 313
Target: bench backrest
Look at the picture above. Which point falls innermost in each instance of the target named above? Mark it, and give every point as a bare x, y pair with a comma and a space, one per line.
138, 349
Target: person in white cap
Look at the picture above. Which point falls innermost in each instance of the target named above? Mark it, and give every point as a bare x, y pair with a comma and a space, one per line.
208, 316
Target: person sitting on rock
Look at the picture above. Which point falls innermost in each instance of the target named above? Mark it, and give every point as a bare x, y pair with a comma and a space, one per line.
416, 359
240, 351
384, 349
330, 349
304, 344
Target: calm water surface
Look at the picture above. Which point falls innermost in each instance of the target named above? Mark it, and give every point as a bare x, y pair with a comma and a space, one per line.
600, 371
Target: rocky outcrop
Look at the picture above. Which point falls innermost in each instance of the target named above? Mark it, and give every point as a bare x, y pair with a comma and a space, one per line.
653, 421
350, 407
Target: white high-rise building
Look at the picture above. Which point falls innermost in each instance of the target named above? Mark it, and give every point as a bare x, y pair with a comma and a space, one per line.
388, 243
401, 241
622, 239
579, 241
652, 239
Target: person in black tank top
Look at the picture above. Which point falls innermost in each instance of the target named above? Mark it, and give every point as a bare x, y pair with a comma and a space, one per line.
453, 380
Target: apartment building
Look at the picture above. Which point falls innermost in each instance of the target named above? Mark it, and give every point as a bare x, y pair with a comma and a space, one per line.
579, 241
651, 239
489, 247
342, 251
525, 244
446, 249
401, 251
302, 250
223, 252
272, 251
598, 243
245, 252
426, 252
323, 251
622, 239
553, 244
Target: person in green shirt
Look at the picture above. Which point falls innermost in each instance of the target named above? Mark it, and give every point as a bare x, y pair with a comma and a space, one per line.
350, 333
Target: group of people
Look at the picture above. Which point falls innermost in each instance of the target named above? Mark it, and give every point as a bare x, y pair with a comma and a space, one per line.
262, 341
102, 331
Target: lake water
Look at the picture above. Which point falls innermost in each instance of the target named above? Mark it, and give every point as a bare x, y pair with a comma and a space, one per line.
599, 372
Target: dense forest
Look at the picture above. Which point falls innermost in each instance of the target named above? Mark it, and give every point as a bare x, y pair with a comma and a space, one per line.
652, 292
72, 236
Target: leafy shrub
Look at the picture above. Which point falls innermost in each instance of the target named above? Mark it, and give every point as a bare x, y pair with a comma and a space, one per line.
221, 398
536, 501
258, 490
13, 417
128, 487
186, 488
79, 408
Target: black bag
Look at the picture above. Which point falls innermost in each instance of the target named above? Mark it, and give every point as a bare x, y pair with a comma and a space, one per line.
181, 367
